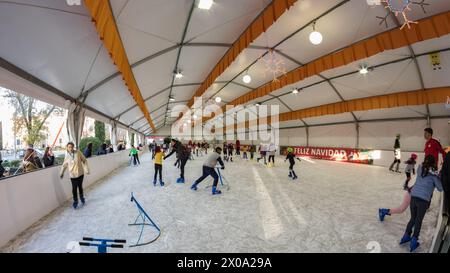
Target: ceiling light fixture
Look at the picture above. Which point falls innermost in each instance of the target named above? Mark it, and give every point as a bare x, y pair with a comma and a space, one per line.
295, 91
178, 74
247, 78
315, 37
218, 99
205, 4
363, 70
171, 98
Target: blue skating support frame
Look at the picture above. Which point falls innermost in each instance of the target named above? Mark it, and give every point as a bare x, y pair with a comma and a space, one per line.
143, 215
221, 178
103, 245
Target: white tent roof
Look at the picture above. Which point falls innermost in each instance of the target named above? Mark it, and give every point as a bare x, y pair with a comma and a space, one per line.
59, 45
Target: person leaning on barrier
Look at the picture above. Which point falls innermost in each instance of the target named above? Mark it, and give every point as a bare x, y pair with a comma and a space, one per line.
2, 169
49, 157
31, 161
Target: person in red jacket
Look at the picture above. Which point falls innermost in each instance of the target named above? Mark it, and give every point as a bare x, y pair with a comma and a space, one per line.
432, 146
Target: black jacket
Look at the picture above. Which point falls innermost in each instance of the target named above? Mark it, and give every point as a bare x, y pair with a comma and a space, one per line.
48, 161
445, 173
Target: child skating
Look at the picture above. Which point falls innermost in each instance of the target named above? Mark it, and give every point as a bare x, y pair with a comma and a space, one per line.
209, 169
291, 157
410, 167
159, 155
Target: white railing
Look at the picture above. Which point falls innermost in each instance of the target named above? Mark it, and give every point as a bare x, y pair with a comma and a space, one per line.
25, 199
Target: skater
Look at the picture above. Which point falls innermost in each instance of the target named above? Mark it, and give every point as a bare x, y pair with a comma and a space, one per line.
433, 146
421, 194
208, 169
230, 149
410, 166
291, 157
158, 165
262, 152
271, 150
78, 167
244, 152
382, 212
397, 154
183, 156
134, 154
252, 151
225, 151
238, 147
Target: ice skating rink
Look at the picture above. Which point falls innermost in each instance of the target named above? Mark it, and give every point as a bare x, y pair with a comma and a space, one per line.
332, 207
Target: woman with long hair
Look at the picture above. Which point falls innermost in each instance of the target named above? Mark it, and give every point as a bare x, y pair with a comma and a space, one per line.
49, 157
78, 166
31, 161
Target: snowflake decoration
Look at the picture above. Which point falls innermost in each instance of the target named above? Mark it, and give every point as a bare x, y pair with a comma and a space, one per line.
274, 65
398, 7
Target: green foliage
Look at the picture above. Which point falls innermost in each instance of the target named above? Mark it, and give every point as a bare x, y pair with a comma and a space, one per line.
11, 164
95, 144
28, 119
100, 130
167, 140
108, 142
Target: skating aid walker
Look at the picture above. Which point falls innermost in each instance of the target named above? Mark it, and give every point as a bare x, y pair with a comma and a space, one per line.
103, 244
143, 215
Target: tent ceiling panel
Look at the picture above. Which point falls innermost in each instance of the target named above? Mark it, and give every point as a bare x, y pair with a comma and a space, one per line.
213, 89
398, 112
111, 98
391, 78
345, 25
183, 93
225, 21
163, 19
274, 103
61, 55
344, 117
57, 6
297, 16
102, 68
291, 123
244, 59
432, 45
197, 62
439, 110
140, 45
231, 92
156, 74
261, 74
312, 96
379, 59
132, 116
435, 76
301, 84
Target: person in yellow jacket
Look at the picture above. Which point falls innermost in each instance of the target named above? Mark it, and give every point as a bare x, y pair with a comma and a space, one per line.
77, 165
159, 157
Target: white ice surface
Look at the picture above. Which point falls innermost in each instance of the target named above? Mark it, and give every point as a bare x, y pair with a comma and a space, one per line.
332, 207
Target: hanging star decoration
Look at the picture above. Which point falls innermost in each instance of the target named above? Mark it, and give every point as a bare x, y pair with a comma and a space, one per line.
398, 7
274, 65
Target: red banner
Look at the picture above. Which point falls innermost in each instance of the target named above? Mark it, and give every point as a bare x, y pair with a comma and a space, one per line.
336, 154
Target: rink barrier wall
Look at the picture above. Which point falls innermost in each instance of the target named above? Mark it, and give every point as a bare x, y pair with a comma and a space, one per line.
25, 199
